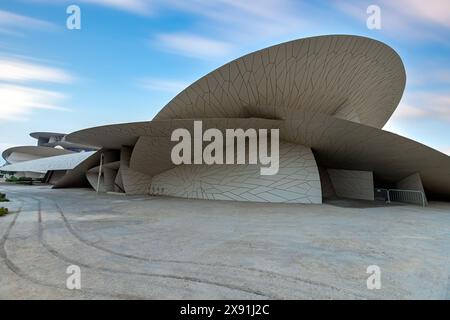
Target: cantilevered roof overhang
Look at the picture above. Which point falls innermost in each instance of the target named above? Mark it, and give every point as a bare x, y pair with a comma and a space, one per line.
351, 77
330, 93
25, 153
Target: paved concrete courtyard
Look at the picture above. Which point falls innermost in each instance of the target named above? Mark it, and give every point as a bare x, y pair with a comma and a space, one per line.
135, 247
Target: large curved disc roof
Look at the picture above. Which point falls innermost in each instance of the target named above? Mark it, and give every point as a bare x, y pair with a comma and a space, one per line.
38, 135
351, 77
60, 162
33, 151
115, 136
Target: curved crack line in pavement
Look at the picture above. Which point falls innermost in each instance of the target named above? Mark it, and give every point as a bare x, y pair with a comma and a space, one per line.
269, 273
19, 272
10, 264
57, 254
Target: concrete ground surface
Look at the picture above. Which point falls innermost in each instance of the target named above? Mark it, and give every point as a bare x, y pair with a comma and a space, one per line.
136, 247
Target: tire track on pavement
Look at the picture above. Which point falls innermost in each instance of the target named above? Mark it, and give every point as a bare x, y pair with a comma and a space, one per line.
20, 273
216, 265
59, 255
89, 243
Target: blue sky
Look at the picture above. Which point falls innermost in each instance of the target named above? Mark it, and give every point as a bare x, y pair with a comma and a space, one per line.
132, 56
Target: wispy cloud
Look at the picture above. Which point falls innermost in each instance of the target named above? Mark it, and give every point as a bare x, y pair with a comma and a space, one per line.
141, 7
406, 19
420, 105
11, 22
193, 45
15, 70
221, 26
170, 86
10, 32
266, 17
135, 6
17, 102
406, 111
429, 74
430, 11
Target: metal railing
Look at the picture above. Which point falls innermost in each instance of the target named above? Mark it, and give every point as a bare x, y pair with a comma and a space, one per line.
401, 195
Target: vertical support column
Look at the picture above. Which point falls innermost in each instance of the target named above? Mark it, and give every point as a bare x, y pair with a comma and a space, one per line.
99, 172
